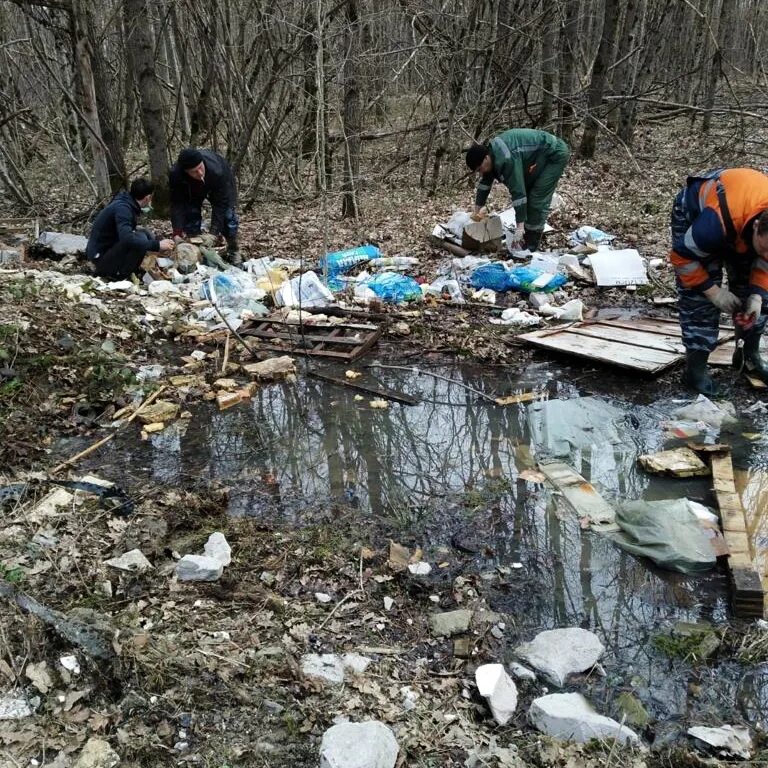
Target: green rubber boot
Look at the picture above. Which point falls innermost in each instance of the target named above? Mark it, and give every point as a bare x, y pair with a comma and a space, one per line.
747, 357
696, 374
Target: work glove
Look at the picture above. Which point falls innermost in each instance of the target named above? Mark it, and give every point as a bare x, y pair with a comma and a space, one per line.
519, 234
754, 306
724, 300
479, 214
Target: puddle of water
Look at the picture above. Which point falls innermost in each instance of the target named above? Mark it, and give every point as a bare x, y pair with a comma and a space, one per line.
451, 465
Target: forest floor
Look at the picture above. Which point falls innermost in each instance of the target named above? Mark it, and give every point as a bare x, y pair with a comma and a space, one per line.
209, 674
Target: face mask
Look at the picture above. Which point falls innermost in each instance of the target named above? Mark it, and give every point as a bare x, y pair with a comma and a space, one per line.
146, 209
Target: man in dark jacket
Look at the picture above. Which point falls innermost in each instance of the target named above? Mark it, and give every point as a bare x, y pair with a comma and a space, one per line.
116, 246
201, 174
529, 163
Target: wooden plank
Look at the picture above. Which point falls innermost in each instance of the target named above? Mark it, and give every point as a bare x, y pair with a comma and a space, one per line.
581, 495
387, 394
721, 356
615, 353
748, 597
662, 325
637, 338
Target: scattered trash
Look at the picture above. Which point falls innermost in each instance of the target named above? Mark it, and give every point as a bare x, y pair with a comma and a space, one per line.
570, 311
305, 291
359, 745
235, 293
671, 533
571, 717
514, 316
340, 262
727, 740
678, 462
588, 234
444, 287
703, 409
498, 689
559, 653
498, 277
394, 288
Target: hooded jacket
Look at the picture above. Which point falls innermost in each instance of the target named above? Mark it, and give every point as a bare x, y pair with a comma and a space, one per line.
218, 187
117, 223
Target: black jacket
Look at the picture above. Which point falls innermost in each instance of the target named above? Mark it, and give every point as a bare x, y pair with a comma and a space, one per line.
116, 223
218, 187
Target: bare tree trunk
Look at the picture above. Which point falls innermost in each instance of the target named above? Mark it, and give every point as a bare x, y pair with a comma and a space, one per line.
86, 93
568, 73
599, 77
352, 111
627, 54
549, 42
140, 47
721, 30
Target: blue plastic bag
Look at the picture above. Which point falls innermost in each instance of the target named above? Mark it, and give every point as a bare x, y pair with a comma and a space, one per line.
340, 262
494, 276
522, 278
394, 288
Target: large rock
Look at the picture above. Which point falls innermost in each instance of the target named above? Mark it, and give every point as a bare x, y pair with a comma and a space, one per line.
359, 745
218, 548
569, 716
97, 754
198, 568
327, 667
133, 561
498, 689
558, 653
450, 622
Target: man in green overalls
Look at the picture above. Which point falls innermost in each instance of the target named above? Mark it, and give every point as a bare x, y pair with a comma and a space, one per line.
529, 163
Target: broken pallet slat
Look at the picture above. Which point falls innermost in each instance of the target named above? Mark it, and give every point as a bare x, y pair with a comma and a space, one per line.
748, 596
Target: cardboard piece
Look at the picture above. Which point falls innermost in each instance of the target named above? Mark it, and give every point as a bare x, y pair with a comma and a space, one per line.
624, 267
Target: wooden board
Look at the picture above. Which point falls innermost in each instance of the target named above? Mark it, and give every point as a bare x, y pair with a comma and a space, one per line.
650, 345
748, 597
581, 495
343, 342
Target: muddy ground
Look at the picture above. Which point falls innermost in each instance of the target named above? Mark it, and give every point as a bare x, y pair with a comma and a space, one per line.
209, 674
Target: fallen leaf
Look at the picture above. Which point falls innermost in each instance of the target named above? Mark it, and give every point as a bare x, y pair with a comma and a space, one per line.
38, 674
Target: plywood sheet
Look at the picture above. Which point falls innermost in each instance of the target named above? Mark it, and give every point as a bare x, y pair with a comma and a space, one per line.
649, 345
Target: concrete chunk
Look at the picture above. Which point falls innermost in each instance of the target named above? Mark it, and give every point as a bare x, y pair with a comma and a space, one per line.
198, 568
359, 745
498, 689
558, 653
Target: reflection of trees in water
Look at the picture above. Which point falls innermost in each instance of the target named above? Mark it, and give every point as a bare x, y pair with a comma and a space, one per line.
752, 696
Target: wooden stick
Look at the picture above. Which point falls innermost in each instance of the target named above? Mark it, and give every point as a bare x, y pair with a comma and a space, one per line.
387, 394
226, 355
58, 468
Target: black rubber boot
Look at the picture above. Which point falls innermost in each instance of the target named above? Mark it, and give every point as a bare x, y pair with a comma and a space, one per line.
233, 252
747, 358
696, 375
532, 239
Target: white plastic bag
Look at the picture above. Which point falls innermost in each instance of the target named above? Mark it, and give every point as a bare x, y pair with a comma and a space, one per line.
303, 291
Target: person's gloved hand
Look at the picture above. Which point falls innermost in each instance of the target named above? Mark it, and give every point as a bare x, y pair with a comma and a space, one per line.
167, 245
519, 234
723, 299
479, 214
754, 306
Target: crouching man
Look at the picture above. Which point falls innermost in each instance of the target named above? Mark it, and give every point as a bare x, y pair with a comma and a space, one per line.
116, 245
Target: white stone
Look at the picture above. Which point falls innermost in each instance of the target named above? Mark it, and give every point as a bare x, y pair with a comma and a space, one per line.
410, 697
420, 569
356, 662
498, 689
198, 568
569, 716
218, 548
558, 653
16, 706
132, 561
388, 603
327, 667
71, 664
359, 745
97, 754
521, 672
322, 597
728, 740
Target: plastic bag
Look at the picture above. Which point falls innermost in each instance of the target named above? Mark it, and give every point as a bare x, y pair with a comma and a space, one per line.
671, 533
303, 291
444, 285
235, 291
394, 288
527, 280
340, 262
494, 276
590, 234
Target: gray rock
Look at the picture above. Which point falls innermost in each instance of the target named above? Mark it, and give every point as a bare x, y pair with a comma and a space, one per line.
327, 667
521, 672
355, 662
218, 548
569, 716
97, 754
15, 706
498, 689
198, 568
450, 622
133, 562
726, 741
359, 745
558, 653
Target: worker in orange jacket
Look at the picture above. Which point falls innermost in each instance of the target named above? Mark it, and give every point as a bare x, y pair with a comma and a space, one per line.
720, 218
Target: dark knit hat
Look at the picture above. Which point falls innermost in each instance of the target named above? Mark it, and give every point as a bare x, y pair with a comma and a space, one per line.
475, 155
189, 158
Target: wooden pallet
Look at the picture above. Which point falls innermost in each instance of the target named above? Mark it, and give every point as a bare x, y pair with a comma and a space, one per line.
12, 226
748, 597
341, 342
646, 344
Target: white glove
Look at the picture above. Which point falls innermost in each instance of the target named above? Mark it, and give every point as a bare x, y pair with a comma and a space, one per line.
754, 306
723, 299
519, 233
